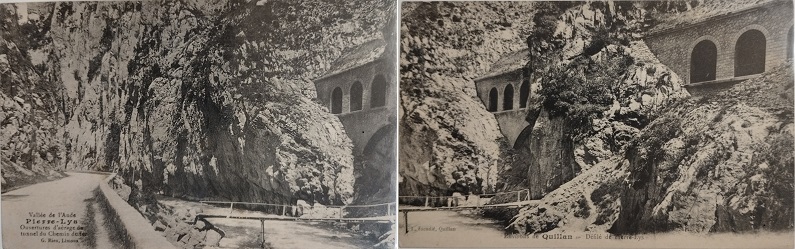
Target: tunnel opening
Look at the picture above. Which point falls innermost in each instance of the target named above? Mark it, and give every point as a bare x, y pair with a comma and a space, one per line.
524, 93
378, 92
703, 62
507, 103
336, 101
493, 97
356, 96
749, 53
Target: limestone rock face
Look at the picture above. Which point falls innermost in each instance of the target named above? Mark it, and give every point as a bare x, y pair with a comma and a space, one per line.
623, 86
444, 142
30, 138
715, 164
446, 135
204, 99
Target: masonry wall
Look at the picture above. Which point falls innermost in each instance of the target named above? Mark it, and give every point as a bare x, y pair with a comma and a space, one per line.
360, 125
674, 47
484, 85
365, 74
511, 122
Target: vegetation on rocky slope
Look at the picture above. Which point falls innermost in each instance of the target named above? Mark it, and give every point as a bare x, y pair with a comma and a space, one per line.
653, 161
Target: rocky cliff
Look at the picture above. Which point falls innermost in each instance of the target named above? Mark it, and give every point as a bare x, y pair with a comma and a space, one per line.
652, 160
447, 138
717, 163
30, 120
203, 99
597, 86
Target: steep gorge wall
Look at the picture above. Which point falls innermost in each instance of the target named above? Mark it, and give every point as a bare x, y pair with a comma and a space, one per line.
658, 162
448, 140
598, 86
203, 99
719, 163
30, 121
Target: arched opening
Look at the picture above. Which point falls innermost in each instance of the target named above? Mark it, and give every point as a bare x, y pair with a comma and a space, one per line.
378, 92
524, 93
493, 97
703, 62
336, 101
374, 169
507, 103
789, 44
356, 96
749, 53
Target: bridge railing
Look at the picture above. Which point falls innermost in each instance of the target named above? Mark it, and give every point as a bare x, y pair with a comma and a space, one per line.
310, 211
474, 200
511, 196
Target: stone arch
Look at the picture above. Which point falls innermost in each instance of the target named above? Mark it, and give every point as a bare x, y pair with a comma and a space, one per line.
750, 51
507, 103
377, 167
692, 47
336, 100
523, 136
378, 91
703, 61
524, 93
356, 96
494, 97
736, 38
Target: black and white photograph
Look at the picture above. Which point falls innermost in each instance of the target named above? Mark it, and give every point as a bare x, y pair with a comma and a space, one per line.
596, 124
199, 124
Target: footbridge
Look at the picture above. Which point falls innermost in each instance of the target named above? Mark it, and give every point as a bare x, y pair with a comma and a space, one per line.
382, 213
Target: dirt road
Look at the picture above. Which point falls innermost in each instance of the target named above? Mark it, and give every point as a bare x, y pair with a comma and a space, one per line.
56, 214
447, 228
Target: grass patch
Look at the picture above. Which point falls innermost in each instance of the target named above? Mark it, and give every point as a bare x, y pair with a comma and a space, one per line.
90, 241
118, 235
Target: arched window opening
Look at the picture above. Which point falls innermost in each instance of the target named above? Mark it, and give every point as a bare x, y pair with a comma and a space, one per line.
356, 96
703, 62
524, 93
378, 92
507, 103
789, 44
336, 101
749, 53
493, 97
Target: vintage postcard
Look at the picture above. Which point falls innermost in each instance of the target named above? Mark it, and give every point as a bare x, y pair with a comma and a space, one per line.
596, 124
198, 124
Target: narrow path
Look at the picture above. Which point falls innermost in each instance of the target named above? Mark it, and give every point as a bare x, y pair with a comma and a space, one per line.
51, 214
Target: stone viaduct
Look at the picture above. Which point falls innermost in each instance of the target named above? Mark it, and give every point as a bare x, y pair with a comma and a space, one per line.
719, 50
505, 91
360, 90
